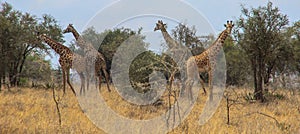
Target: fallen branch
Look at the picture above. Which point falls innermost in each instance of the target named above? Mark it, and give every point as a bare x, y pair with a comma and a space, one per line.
277, 122
57, 107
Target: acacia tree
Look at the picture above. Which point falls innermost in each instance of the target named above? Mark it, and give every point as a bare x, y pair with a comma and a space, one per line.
187, 36
260, 35
18, 40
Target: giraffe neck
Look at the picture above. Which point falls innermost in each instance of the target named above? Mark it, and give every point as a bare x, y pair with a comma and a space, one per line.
216, 46
75, 33
170, 41
56, 46
222, 37
81, 42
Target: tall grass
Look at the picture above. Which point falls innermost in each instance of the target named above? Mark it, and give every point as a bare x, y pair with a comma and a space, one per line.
34, 111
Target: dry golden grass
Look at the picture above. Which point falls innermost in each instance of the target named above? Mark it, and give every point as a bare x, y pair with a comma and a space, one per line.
34, 111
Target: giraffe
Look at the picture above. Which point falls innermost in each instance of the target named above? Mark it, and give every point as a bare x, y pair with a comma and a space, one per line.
169, 40
206, 61
173, 45
93, 56
66, 58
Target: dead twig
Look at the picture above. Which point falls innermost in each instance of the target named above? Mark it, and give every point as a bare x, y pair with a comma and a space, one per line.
57, 107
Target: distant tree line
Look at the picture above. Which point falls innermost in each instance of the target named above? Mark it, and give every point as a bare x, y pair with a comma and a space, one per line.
262, 47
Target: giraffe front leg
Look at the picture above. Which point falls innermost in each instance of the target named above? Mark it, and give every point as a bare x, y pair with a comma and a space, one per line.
210, 75
99, 81
82, 79
190, 78
203, 85
96, 82
64, 82
106, 79
87, 78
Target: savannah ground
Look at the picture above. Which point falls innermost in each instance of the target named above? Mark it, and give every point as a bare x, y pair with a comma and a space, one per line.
25, 110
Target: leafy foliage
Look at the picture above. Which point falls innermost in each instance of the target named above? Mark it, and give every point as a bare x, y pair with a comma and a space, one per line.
187, 36
260, 35
18, 40
37, 69
237, 73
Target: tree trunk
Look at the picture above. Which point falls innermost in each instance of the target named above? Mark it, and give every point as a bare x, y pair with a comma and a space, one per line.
1, 77
258, 93
254, 74
13, 76
268, 75
0, 83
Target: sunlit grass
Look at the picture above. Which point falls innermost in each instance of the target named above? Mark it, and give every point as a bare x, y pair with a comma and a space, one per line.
33, 111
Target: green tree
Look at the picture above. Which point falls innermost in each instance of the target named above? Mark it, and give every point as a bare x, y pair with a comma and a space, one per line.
260, 37
187, 36
37, 69
142, 66
111, 40
292, 47
296, 45
18, 40
237, 73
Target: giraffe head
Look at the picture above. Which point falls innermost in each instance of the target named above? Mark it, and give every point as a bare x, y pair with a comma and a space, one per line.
69, 29
229, 26
40, 35
160, 25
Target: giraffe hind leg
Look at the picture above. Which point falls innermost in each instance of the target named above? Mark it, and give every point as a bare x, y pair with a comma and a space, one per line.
82, 79
98, 77
203, 85
188, 88
69, 83
99, 81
